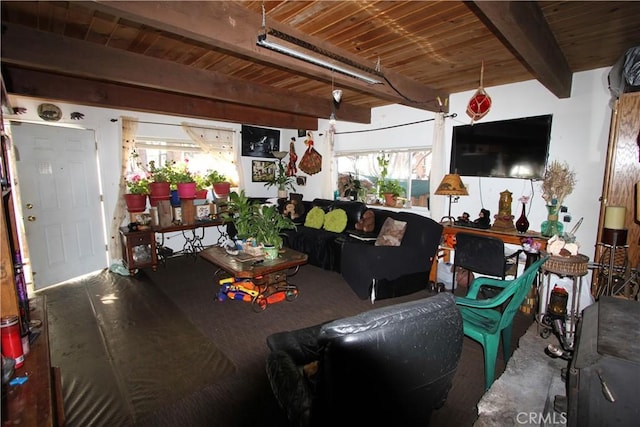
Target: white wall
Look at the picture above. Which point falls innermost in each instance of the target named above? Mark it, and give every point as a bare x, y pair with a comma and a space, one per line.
579, 136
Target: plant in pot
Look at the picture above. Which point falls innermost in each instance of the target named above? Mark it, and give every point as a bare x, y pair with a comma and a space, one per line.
242, 212
219, 182
391, 189
202, 186
159, 185
269, 224
137, 190
182, 180
282, 181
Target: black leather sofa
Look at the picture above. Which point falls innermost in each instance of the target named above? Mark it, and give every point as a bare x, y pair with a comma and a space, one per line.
390, 366
387, 271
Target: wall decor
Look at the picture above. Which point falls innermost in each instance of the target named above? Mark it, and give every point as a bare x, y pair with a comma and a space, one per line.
263, 170
259, 142
301, 180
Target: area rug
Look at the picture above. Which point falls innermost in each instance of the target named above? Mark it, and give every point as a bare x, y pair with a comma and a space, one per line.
149, 352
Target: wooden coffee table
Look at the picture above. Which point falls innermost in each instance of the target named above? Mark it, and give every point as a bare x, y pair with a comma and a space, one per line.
270, 277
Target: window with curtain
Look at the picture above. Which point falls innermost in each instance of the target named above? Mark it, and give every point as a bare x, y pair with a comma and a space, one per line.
411, 168
202, 153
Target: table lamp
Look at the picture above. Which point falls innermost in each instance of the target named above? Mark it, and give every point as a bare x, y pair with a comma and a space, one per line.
451, 185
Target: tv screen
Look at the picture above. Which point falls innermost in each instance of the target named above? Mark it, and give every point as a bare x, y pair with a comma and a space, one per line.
516, 148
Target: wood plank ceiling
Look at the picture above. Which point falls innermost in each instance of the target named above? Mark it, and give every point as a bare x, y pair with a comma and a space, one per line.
200, 59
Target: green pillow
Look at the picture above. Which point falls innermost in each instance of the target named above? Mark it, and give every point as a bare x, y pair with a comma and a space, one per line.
335, 221
315, 218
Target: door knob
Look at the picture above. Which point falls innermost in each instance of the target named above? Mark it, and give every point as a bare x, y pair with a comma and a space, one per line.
31, 218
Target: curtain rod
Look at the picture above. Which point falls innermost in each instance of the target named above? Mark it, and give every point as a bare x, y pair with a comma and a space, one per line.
452, 115
180, 125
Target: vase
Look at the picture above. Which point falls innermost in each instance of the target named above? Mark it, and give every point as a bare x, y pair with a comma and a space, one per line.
222, 189
186, 190
201, 194
159, 191
552, 227
136, 202
522, 224
270, 252
175, 198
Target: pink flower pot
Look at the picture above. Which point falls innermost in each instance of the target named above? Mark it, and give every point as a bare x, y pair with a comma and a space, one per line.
187, 190
136, 202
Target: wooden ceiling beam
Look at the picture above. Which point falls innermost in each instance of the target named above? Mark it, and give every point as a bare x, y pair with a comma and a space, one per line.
521, 25
45, 51
45, 85
234, 29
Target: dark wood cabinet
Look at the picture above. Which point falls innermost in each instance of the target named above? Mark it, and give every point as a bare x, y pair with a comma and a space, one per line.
138, 249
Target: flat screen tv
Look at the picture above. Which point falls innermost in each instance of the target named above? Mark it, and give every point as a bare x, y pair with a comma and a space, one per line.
516, 148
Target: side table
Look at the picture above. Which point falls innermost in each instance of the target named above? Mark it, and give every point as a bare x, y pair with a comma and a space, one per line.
574, 267
138, 249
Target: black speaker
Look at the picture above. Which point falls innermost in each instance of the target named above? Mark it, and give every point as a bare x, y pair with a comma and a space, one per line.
603, 383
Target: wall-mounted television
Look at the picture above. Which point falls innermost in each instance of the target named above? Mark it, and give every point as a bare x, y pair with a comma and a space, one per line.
516, 148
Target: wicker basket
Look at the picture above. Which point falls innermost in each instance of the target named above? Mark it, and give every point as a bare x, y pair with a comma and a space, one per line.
575, 265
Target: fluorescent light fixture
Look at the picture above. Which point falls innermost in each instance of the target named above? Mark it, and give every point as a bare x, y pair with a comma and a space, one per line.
262, 41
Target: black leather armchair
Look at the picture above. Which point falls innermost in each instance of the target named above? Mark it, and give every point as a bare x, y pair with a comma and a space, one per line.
388, 366
390, 271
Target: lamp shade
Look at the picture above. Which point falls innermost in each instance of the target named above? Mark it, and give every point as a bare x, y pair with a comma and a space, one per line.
279, 154
451, 185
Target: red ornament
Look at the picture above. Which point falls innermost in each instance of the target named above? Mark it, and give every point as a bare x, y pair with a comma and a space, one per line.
480, 103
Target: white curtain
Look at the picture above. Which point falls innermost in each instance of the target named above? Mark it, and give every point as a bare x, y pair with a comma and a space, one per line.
129, 128
219, 144
437, 204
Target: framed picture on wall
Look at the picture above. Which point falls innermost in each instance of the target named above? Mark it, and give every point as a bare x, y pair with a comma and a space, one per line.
259, 142
262, 170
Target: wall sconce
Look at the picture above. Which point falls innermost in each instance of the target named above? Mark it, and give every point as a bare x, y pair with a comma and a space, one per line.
451, 185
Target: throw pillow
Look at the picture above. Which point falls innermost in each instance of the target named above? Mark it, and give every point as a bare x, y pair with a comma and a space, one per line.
391, 233
315, 218
335, 221
368, 222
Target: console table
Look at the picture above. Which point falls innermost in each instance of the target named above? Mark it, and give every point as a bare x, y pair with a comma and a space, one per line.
142, 248
511, 237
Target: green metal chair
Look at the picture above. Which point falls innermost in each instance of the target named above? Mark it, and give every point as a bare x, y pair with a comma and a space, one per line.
487, 319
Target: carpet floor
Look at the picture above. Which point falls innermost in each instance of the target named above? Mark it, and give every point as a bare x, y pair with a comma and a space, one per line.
227, 349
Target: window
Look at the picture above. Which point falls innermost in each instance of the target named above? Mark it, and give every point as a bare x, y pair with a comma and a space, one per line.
199, 160
411, 168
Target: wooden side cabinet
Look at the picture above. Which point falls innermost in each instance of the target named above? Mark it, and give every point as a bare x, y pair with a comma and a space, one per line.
138, 249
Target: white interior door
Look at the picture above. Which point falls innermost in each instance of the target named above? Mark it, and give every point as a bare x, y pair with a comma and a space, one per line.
61, 207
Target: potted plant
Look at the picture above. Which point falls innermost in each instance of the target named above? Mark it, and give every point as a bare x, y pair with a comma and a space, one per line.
202, 185
391, 189
282, 181
219, 182
159, 185
137, 190
241, 212
269, 222
351, 187
182, 180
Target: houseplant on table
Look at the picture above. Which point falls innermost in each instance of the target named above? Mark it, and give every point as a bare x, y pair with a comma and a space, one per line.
241, 213
282, 181
391, 189
159, 185
558, 183
219, 183
269, 223
182, 180
137, 191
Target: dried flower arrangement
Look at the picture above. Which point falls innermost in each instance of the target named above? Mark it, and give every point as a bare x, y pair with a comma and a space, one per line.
558, 182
